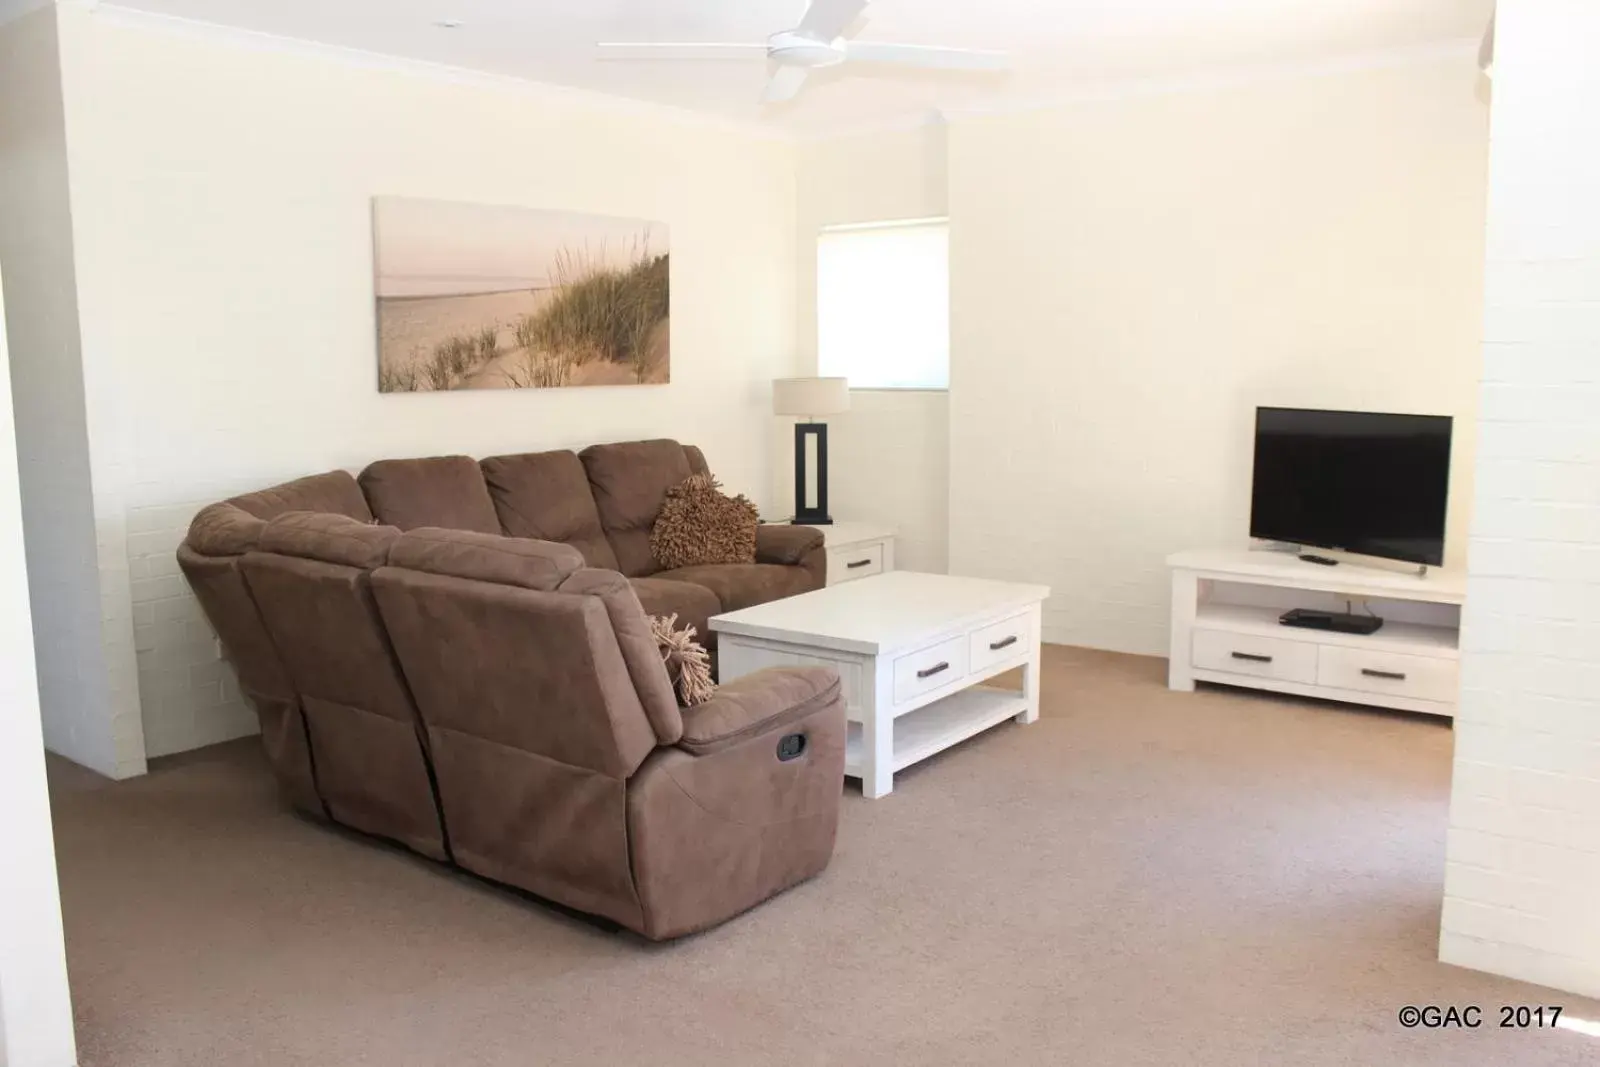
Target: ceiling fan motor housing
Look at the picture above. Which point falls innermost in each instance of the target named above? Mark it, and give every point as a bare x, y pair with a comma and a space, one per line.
798, 50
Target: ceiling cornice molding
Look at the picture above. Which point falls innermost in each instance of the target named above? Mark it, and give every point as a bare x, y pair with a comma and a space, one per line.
1236, 77
260, 41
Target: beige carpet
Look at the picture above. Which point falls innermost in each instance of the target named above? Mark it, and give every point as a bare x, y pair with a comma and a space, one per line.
1142, 877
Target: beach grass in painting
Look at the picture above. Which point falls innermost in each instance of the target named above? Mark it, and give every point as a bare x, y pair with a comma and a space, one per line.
475, 297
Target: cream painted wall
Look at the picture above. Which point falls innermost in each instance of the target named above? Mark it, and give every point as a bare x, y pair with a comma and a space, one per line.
1130, 277
220, 195
888, 455
81, 619
35, 1008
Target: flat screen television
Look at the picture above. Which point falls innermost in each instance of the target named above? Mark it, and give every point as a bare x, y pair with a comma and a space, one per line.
1357, 481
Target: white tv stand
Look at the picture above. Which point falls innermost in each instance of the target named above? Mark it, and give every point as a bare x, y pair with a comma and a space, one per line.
1225, 629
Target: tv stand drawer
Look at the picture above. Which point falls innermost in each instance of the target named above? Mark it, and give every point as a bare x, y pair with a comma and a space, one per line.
1252, 654
1372, 671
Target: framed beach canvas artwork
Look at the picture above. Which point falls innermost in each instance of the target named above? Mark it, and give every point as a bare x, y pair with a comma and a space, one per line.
473, 296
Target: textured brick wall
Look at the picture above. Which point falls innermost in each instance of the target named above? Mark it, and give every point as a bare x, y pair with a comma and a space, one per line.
1523, 875
188, 691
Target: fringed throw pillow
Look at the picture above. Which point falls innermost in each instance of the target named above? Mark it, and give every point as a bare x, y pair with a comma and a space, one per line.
688, 663
700, 524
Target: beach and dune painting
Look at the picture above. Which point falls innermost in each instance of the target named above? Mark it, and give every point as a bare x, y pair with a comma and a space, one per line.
472, 296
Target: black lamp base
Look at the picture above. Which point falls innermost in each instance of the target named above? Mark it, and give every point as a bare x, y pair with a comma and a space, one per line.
807, 513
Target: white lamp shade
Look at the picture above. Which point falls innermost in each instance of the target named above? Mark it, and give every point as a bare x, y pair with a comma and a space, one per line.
810, 396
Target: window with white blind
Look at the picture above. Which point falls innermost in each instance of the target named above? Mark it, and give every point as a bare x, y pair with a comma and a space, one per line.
883, 304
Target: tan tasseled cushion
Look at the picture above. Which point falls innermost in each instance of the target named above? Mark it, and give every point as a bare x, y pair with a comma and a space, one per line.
699, 524
688, 663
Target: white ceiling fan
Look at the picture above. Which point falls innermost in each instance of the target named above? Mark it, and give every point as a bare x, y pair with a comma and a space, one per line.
818, 41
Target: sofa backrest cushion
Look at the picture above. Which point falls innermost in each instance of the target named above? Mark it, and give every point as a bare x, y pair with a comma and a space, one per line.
446, 491
640, 652
546, 495
486, 557
533, 670
330, 538
697, 460
336, 492
310, 578
630, 480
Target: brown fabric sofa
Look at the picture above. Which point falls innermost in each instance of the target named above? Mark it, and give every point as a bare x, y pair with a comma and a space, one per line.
455, 655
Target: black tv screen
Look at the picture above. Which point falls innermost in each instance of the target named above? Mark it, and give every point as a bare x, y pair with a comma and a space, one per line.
1352, 480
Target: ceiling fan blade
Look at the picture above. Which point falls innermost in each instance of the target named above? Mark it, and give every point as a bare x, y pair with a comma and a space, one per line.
827, 19
784, 85
916, 55
676, 50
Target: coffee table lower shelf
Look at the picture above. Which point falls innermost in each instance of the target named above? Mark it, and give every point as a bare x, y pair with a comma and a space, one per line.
935, 727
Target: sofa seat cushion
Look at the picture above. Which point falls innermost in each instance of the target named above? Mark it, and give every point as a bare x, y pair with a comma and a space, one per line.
630, 480
743, 585
546, 496
443, 491
692, 604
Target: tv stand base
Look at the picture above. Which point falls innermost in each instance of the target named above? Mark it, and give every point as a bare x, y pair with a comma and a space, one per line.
1326, 561
1226, 629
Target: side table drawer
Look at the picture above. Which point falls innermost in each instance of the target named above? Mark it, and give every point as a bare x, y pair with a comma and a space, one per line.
929, 668
854, 561
1264, 657
1003, 640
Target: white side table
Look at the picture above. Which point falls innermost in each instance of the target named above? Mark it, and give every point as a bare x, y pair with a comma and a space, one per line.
857, 550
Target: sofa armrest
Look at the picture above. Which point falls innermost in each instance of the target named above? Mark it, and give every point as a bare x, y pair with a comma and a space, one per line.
782, 543
757, 704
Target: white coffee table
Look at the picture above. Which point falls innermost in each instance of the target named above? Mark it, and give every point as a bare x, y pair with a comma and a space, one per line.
910, 650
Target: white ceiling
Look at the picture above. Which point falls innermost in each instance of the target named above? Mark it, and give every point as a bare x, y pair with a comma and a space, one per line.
1059, 46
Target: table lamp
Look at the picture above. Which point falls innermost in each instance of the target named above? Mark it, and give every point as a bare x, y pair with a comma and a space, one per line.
808, 398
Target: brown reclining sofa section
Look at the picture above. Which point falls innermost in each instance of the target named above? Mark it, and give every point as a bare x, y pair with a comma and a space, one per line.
454, 655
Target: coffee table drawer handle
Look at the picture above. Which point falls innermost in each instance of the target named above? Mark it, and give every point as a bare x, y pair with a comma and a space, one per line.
935, 669
1393, 676
1004, 642
859, 563
1252, 657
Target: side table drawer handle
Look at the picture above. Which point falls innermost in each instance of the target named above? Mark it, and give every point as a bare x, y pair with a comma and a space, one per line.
1394, 676
1004, 642
859, 563
1252, 657
935, 669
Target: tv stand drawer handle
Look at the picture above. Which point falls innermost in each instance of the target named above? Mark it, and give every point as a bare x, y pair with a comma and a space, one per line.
858, 563
1252, 657
1393, 676
1004, 642
935, 669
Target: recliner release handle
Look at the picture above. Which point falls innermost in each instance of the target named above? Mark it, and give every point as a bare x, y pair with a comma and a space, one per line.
791, 746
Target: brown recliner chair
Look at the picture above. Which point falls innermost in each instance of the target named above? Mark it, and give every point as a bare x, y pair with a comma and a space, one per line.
309, 576
564, 764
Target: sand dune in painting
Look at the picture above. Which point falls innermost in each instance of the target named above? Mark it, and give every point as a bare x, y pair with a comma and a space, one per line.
473, 297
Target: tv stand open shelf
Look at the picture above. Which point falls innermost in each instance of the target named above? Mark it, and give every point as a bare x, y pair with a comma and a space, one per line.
1225, 608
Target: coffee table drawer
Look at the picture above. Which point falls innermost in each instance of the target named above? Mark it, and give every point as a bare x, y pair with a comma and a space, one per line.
1000, 641
1264, 657
929, 668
